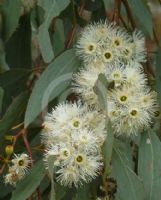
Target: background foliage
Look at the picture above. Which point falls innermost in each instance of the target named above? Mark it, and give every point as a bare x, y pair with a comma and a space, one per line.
36, 48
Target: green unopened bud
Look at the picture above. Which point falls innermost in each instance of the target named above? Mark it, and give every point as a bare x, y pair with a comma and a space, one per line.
9, 150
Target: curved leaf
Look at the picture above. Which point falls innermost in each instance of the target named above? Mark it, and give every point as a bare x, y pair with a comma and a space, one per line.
52, 9
158, 73
52, 82
129, 184
13, 112
29, 184
149, 165
142, 13
12, 12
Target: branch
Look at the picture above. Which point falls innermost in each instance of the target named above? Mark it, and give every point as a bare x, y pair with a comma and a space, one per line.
74, 27
128, 10
116, 14
28, 148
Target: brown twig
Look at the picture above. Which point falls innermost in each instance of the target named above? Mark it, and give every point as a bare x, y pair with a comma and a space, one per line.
116, 14
74, 27
2, 168
28, 148
129, 13
155, 38
14, 142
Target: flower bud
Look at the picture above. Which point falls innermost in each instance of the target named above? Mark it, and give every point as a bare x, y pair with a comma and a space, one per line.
9, 149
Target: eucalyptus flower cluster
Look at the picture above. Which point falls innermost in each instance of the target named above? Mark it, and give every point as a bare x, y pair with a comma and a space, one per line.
131, 103
73, 134
106, 43
18, 168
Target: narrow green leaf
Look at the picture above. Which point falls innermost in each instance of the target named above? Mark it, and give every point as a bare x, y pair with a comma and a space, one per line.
13, 82
108, 148
4, 190
60, 191
11, 77
1, 98
141, 12
12, 12
129, 184
58, 37
28, 185
63, 96
51, 83
126, 151
18, 47
158, 73
83, 193
13, 113
149, 164
52, 9
51, 174
100, 89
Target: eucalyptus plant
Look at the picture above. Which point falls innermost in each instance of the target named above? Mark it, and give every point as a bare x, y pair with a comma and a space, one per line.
80, 93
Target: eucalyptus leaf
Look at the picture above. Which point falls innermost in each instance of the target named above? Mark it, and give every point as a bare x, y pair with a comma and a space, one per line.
12, 11
83, 192
158, 73
50, 161
100, 88
13, 113
58, 37
1, 98
28, 185
142, 13
108, 149
52, 9
130, 186
18, 47
51, 83
13, 82
149, 164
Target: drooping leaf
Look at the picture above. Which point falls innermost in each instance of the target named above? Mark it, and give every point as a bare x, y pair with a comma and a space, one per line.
13, 113
1, 98
129, 185
100, 89
142, 13
126, 151
4, 190
108, 148
149, 164
28, 185
63, 96
50, 161
91, 5
18, 47
60, 191
52, 82
58, 37
52, 9
83, 192
12, 12
158, 73
13, 82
